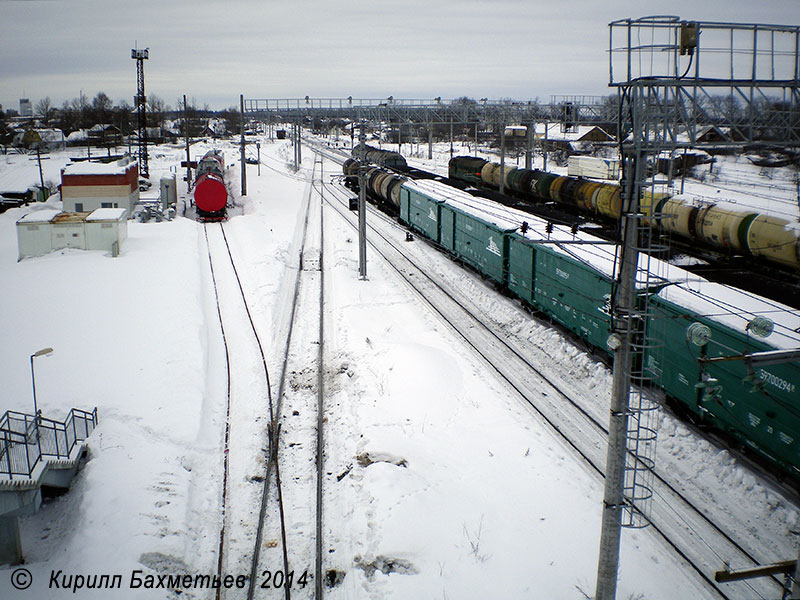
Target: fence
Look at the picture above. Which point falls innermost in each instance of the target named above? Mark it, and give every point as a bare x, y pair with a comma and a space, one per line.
25, 440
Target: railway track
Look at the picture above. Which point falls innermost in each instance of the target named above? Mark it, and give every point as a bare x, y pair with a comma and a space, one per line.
248, 408
748, 273
269, 528
682, 522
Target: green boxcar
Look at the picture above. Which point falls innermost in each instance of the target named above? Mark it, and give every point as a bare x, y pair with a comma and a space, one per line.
420, 211
521, 267
760, 408
572, 293
447, 229
478, 243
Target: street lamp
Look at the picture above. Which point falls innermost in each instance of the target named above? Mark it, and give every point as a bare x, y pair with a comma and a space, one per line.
42, 352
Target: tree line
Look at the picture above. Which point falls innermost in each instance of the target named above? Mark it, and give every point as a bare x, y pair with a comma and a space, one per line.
81, 113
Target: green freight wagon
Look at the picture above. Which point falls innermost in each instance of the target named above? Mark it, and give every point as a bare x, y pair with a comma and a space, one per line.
480, 243
570, 291
419, 209
461, 224
522, 267
758, 406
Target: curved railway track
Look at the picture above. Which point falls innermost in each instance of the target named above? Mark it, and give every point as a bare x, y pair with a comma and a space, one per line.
268, 439
249, 406
692, 534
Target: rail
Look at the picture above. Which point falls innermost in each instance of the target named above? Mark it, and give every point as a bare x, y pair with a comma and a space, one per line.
27, 440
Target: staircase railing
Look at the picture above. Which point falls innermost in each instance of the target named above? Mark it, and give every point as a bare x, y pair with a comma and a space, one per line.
26, 440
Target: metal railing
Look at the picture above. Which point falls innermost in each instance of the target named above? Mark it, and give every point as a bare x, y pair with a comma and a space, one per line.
26, 440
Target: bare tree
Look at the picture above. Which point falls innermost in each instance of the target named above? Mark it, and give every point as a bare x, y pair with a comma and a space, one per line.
80, 106
155, 108
101, 108
44, 109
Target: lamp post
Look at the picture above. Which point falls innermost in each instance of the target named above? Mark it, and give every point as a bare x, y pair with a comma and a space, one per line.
42, 352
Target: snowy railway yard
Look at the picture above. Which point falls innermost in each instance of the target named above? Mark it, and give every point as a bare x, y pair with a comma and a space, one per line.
464, 438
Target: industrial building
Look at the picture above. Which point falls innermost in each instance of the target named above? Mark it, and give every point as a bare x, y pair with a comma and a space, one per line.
87, 186
25, 107
43, 231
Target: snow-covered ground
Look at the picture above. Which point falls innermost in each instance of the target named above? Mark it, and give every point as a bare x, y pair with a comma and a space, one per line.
470, 495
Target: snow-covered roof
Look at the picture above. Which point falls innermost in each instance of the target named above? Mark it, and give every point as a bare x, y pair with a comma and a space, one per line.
465, 202
107, 214
50, 215
100, 127
736, 308
78, 136
39, 216
554, 132
94, 168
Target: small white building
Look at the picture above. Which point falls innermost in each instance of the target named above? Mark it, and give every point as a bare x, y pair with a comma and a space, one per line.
44, 231
87, 186
593, 167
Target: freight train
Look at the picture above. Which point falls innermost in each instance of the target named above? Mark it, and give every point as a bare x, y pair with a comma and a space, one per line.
210, 193
382, 158
572, 284
723, 228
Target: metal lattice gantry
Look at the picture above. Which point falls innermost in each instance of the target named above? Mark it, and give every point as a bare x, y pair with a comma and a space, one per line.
677, 82
405, 112
687, 76
140, 100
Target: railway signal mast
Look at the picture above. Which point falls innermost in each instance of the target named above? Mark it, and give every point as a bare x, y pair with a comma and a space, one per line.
747, 84
140, 101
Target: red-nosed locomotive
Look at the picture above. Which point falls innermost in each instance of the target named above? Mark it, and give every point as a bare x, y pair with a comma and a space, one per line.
210, 193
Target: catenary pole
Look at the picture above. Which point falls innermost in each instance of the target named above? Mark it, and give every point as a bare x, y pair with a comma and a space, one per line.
244, 165
529, 146
501, 186
624, 328
362, 212
299, 141
186, 136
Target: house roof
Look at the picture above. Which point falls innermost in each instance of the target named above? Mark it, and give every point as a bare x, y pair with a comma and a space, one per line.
119, 167
555, 133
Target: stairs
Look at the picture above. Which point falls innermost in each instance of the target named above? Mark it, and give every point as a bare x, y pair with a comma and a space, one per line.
36, 452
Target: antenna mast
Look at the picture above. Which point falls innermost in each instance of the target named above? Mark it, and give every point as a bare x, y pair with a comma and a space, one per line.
141, 108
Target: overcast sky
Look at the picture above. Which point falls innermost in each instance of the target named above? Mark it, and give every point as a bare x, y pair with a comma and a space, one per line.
214, 51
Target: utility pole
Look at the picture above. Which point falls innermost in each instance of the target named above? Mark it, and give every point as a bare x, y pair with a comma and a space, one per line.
362, 212
41, 174
620, 342
362, 222
299, 141
294, 145
529, 145
430, 139
502, 156
544, 146
186, 136
451, 137
244, 165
